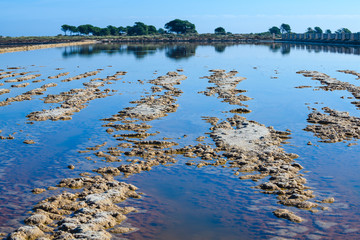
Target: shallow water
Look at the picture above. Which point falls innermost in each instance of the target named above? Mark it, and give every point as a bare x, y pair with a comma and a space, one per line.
185, 202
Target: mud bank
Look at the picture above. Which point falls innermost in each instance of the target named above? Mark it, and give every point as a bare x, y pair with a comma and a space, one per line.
24, 78
154, 106
72, 101
243, 145
84, 75
27, 95
59, 75
225, 87
42, 46
332, 84
4, 90
153, 152
333, 126
250, 147
93, 213
75, 99
88, 214
64, 96
9, 74
252, 150
9, 137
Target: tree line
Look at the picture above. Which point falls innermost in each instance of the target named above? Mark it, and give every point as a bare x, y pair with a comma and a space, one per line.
139, 28
177, 26
285, 28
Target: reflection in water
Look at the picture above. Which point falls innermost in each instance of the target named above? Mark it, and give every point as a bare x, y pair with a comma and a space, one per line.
220, 47
285, 48
181, 51
139, 51
173, 51
186, 50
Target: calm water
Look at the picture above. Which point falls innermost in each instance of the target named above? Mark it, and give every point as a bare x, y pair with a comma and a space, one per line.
183, 202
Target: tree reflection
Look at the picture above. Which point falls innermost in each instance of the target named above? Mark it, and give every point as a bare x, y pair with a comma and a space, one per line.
90, 50
275, 47
140, 51
285, 48
220, 47
179, 52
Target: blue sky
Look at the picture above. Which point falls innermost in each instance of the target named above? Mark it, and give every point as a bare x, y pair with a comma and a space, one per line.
44, 17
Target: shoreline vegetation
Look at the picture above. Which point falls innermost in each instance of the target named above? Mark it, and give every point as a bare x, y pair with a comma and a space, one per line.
8, 41
174, 31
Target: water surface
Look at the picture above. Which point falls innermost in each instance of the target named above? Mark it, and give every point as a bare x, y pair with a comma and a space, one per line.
185, 202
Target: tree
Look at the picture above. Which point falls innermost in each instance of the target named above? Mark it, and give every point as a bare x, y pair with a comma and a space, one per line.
105, 32
65, 28
220, 48
138, 29
220, 31
73, 29
180, 26
274, 30
122, 30
328, 31
152, 29
343, 30
285, 28
310, 30
161, 31
318, 30
96, 31
85, 29
113, 30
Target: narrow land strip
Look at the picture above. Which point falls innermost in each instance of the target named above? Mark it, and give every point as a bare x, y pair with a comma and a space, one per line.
42, 46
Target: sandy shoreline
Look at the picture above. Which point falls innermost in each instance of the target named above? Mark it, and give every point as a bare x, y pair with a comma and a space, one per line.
42, 46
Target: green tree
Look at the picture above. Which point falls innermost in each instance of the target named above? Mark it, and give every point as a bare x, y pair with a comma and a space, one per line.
85, 29
65, 28
346, 30
122, 30
220, 31
152, 29
343, 30
310, 30
285, 28
220, 48
73, 29
318, 30
105, 32
113, 30
138, 29
274, 30
161, 31
328, 31
95, 31
180, 26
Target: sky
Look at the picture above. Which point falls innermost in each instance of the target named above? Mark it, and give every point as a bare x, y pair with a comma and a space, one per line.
45, 17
